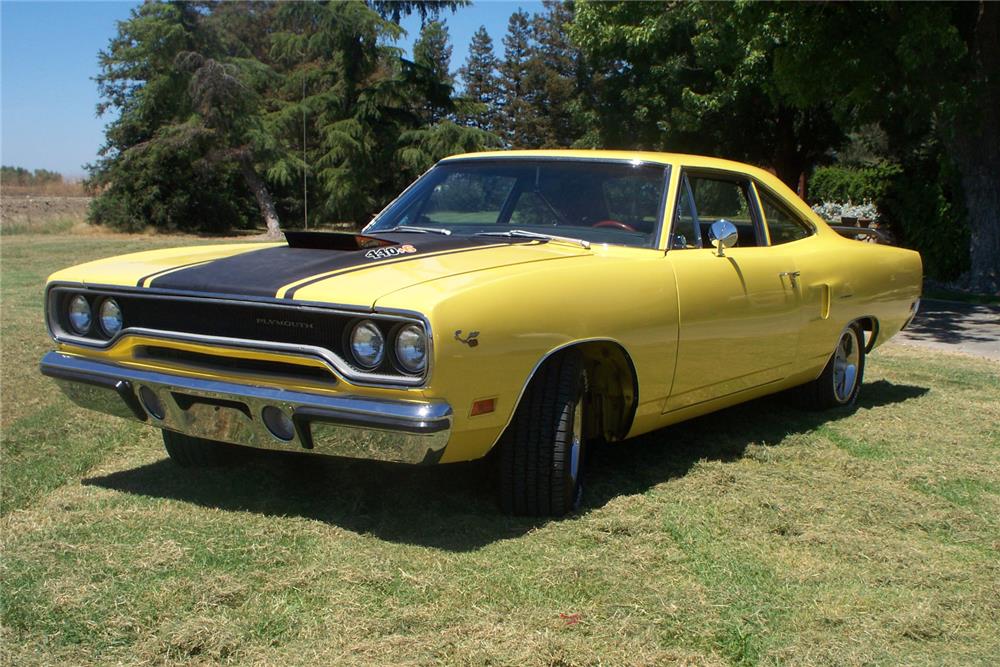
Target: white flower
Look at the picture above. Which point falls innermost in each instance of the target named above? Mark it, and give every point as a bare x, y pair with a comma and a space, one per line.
832, 211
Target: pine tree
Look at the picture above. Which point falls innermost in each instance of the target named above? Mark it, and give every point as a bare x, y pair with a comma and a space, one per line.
432, 59
178, 155
482, 85
554, 77
517, 128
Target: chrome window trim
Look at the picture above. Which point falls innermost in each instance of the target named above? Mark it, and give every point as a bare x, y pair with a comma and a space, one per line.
684, 184
556, 158
340, 366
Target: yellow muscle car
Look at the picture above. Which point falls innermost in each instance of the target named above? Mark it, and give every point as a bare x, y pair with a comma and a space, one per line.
515, 303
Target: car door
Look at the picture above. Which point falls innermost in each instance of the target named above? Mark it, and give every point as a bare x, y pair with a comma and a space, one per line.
739, 313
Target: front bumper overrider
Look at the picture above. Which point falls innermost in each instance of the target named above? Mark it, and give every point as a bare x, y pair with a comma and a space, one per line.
341, 425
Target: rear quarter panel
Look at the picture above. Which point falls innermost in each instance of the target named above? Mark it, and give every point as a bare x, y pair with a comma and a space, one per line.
844, 280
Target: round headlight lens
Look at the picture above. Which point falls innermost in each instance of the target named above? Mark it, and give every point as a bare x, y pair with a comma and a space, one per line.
79, 315
111, 317
367, 344
411, 348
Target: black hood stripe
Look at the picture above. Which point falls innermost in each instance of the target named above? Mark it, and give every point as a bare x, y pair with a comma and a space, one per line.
266, 271
290, 293
170, 270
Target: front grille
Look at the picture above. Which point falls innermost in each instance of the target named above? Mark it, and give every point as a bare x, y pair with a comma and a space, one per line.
248, 321
235, 320
215, 362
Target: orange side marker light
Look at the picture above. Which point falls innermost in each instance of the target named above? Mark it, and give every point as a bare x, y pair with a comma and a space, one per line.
483, 406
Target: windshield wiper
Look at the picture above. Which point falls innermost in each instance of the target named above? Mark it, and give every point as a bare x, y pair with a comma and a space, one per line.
525, 234
417, 230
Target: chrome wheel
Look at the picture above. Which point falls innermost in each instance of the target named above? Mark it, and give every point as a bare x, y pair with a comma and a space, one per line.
846, 360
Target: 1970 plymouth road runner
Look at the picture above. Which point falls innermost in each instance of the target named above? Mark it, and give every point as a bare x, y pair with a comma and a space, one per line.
515, 303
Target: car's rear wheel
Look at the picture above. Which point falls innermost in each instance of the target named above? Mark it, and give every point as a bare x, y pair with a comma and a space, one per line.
190, 452
542, 453
840, 382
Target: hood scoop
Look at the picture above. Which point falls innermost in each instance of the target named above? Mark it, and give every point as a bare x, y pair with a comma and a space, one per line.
333, 240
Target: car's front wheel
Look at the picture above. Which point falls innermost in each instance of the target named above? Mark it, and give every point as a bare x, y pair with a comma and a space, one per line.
541, 454
190, 452
840, 382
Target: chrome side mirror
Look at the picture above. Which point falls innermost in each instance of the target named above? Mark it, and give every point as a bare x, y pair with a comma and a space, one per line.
723, 234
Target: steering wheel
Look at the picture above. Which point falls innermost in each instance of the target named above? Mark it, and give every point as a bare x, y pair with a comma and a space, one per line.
615, 224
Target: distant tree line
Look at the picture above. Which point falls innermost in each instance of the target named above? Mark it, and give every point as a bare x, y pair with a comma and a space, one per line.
227, 108
22, 177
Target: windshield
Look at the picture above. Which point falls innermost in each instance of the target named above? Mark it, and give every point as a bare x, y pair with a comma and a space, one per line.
600, 202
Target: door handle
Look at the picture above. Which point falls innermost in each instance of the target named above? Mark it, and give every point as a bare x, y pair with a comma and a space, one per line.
793, 276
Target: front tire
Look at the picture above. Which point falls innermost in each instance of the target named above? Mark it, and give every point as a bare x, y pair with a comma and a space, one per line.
542, 452
839, 384
190, 452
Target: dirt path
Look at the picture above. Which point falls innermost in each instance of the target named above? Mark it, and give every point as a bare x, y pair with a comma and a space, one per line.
957, 327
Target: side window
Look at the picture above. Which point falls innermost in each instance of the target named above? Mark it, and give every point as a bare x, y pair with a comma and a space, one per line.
685, 233
782, 225
718, 199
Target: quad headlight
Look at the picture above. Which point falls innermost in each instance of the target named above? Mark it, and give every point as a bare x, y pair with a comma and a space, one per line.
110, 317
367, 344
411, 348
79, 315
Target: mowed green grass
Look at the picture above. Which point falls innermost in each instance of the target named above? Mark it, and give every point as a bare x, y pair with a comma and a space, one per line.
758, 535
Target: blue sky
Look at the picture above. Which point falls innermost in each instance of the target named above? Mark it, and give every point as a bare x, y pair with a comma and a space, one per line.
48, 57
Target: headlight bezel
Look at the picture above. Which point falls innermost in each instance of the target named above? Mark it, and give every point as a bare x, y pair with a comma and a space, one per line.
110, 301
70, 303
371, 326
402, 364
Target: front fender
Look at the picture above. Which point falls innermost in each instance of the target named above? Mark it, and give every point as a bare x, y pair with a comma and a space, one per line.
523, 316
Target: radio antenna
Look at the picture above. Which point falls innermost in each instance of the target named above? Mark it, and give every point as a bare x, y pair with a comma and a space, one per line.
305, 190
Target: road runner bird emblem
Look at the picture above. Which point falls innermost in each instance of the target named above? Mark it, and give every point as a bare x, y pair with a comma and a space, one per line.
471, 340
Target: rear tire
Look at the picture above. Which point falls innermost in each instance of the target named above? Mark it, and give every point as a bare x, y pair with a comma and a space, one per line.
190, 452
542, 453
839, 384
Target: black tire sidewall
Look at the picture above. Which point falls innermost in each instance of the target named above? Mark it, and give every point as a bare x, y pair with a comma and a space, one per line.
534, 461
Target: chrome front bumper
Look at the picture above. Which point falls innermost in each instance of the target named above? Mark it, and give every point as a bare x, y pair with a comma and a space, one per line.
354, 426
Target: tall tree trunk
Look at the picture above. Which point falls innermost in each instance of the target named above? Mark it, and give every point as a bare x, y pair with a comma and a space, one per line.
788, 161
264, 202
979, 166
974, 145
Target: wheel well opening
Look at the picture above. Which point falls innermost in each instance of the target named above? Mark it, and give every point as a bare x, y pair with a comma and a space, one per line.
613, 391
869, 329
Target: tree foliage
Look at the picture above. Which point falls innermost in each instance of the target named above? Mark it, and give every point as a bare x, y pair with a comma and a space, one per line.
482, 84
225, 109
25, 177
929, 75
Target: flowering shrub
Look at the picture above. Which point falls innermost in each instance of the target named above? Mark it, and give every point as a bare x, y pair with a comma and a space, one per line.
832, 211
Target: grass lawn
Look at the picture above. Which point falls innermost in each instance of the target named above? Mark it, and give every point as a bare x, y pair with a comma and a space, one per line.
758, 535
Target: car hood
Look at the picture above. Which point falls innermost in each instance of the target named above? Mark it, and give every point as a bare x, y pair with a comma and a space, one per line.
318, 268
